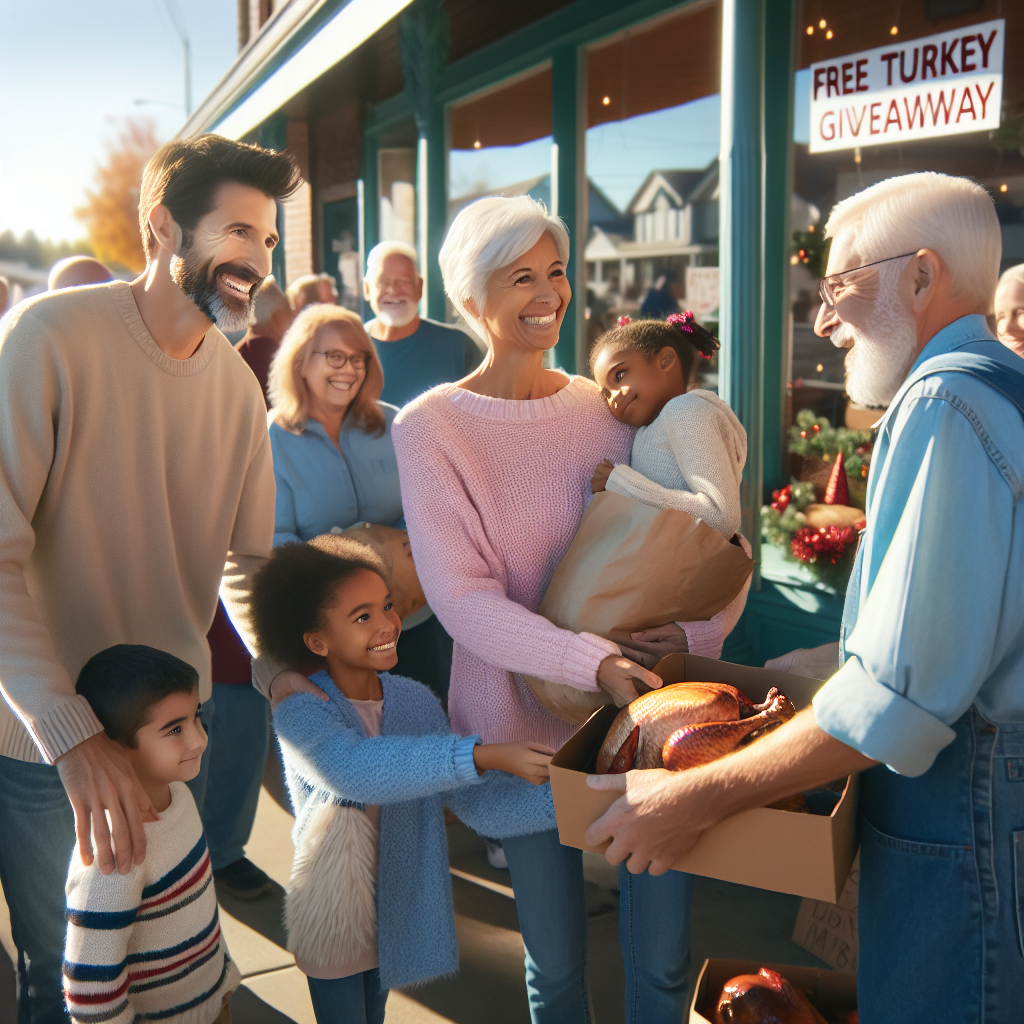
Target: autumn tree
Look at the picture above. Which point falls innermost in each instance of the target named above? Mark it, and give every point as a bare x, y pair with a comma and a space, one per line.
111, 210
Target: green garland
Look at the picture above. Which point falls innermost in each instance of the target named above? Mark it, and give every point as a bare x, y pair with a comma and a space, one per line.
817, 438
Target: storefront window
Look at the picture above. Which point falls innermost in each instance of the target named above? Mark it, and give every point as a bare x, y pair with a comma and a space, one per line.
881, 90
652, 144
396, 179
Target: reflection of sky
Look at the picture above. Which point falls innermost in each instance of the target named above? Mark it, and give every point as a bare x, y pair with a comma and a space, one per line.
619, 154
802, 107
622, 153
471, 171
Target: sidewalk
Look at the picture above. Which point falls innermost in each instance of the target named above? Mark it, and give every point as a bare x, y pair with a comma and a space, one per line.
728, 921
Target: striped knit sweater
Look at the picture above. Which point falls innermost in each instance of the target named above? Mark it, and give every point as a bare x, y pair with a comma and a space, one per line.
147, 945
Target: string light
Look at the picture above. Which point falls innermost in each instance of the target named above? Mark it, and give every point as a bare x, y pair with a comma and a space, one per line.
476, 145
819, 368
828, 34
822, 23
1003, 187
607, 100
893, 31
810, 30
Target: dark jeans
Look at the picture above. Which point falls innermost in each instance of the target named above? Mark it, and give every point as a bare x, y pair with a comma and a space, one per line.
357, 999
941, 916
237, 755
37, 837
425, 654
654, 932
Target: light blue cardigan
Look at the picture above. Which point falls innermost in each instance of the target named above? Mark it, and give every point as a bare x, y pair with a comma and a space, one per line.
414, 768
319, 487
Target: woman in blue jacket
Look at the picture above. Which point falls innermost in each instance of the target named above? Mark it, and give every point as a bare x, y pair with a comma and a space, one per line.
333, 458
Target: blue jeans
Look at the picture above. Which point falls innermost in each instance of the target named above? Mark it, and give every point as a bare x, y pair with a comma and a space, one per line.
941, 916
357, 999
654, 930
37, 837
197, 786
237, 755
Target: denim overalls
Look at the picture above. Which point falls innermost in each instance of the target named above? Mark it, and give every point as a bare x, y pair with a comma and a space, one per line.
941, 917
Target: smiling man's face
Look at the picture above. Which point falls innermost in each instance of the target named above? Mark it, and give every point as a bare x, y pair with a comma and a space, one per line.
394, 290
223, 261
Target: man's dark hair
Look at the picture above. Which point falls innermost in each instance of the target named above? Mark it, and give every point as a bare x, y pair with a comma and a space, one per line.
291, 592
184, 176
123, 683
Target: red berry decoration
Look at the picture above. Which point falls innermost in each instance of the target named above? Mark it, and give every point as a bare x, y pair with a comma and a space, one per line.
825, 544
838, 490
781, 498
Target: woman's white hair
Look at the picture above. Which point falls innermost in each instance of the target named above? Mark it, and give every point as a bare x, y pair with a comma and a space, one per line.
490, 234
1013, 274
954, 216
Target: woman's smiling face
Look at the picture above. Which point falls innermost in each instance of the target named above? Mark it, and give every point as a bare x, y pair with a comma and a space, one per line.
332, 389
526, 300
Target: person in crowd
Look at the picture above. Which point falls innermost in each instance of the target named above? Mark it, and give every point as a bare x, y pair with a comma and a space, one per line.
334, 460
379, 739
495, 471
923, 691
662, 299
76, 271
130, 935
1009, 309
311, 288
5, 294
416, 353
123, 510
271, 317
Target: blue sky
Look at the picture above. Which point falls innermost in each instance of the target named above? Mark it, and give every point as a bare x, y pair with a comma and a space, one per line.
70, 70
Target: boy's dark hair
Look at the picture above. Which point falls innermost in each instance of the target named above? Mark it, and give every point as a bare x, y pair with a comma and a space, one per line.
184, 176
291, 591
123, 682
649, 337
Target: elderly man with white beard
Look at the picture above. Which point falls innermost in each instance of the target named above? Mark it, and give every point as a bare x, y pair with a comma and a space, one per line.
928, 698
415, 353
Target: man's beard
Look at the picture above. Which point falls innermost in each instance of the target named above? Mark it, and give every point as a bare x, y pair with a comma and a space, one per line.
879, 359
195, 279
393, 315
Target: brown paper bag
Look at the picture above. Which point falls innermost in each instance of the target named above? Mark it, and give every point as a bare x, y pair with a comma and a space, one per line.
632, 567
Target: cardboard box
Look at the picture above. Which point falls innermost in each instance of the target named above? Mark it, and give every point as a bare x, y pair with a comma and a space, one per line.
803, 854
834, 995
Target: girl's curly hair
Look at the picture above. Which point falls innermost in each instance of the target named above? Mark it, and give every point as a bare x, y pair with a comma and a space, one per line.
680, 332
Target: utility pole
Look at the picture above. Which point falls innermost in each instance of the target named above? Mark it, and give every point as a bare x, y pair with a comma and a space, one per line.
178, 23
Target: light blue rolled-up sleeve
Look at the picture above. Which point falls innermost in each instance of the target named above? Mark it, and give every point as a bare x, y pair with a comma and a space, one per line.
925, 636
285, 520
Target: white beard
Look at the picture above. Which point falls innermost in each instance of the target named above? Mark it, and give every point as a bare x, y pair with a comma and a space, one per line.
393, 315
878, 360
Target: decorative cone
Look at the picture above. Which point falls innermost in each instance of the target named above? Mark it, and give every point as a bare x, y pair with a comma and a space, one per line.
838, 490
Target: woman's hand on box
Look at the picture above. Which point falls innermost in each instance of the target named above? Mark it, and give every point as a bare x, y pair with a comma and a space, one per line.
599, 480
524, 758
618, 676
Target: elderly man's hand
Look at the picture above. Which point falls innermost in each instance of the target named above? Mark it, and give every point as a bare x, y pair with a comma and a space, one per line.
813, 662
658, 818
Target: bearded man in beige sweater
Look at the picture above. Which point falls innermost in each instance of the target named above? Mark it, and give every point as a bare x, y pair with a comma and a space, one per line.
135, 482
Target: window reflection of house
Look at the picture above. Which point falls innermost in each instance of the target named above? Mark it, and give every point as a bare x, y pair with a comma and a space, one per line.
670, 223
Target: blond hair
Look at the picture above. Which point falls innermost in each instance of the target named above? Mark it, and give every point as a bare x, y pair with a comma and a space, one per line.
953, 216
287, 389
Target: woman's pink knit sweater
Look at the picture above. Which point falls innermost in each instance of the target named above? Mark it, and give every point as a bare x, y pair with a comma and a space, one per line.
493, 492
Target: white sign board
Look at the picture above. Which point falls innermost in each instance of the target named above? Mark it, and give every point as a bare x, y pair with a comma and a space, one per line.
945, 84
701, 291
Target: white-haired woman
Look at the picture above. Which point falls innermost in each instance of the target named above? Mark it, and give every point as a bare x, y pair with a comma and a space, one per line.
495, 472
333, 458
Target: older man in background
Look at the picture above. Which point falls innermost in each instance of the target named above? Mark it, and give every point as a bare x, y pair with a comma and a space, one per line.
271, 318
76, 271
416, 354
928, 700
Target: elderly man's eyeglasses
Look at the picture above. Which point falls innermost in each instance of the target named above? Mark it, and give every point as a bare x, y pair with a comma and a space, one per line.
827, 285
336, 359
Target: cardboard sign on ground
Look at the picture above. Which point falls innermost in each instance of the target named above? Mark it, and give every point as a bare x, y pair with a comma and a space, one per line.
829, 930
632, 567
803, 854
832, 994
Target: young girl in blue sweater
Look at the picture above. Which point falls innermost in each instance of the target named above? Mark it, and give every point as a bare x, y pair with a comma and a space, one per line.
370, 768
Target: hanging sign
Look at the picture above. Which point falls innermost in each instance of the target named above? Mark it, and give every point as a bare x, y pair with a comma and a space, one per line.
945, 84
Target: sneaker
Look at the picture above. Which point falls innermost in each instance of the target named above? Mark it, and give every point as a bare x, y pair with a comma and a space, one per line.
496, 856
243, 880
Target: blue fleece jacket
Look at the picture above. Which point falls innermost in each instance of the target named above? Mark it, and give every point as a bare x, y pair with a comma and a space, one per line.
415, 767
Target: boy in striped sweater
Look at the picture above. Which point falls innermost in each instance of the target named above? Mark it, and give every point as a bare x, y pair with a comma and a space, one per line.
147, 945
